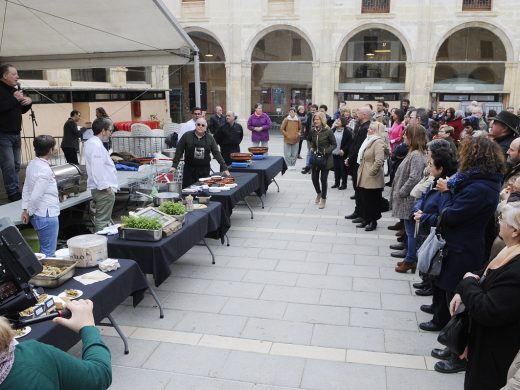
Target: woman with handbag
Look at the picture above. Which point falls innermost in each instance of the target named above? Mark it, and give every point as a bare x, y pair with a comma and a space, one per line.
322, 142
371, 177
407, 176
475, 192
491, 300
442, 163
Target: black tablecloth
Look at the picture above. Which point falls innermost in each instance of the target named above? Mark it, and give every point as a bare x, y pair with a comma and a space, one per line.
246, 184
106, 295
155, 257
267, 169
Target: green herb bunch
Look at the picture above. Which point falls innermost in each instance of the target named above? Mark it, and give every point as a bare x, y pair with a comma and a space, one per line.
141, 222
172, 208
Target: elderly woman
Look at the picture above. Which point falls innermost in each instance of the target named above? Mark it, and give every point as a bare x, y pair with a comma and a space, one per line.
409, 173
32, 365
40, 202
475, 192
321, 140
259, 123
370, 180
490, 296
291, 129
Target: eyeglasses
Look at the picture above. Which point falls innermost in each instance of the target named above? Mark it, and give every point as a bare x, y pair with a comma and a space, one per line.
200, 125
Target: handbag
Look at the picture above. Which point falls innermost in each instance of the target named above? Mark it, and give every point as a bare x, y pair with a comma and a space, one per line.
455, 334
318, 159
431, 253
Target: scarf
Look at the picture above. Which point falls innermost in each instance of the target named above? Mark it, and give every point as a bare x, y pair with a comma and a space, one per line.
504, 256
460, 177
292, 118
7, 360
368, 140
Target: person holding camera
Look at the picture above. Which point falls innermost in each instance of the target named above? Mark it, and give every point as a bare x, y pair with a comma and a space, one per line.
35, 365
40, 201
322, 142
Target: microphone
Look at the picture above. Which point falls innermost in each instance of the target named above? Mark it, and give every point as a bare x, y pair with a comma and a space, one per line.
64, 313
18, 86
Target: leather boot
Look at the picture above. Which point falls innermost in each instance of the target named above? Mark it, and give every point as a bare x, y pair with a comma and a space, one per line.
451, 366
398, 247
322, 203
426, 292
421, 285
371, 226
351, 216
441, 353
404, 267
400, 233
427, 309
362, 224
430, 326
358, 220
397, 226
318, 198
399, 254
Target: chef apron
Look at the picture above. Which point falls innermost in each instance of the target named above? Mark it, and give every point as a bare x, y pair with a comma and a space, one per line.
197, 161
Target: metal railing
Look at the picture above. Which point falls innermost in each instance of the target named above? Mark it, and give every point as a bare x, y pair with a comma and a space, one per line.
476, 5
138, 146
375, 6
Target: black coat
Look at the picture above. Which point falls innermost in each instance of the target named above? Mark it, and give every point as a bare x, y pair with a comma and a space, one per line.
494, 339
215, 122
465, 218
359, 136
10, 110
71, 134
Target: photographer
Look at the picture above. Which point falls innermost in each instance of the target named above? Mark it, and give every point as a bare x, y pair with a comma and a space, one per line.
34, 365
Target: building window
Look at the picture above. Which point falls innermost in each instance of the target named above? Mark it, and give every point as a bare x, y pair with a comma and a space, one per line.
94, 75
372, 59
471, 59
476, 5
281, 73
375, 6
137, 74
31, 74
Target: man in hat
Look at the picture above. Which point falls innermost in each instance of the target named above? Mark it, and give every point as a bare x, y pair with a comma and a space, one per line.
505, 129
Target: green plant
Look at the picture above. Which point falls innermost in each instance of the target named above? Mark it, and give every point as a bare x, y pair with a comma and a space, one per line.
172, 208
141, 222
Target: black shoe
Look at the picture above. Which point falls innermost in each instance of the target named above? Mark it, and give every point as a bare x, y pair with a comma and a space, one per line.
388, 184
14, 197
451, 366
306, 170
362, 224
441, 353
398, 247
335, 186
421, 285
401, 239
358, 220
430, 326
342, 187
424, 292
353, 197
351, 216
399, 254
427, 309
371, 226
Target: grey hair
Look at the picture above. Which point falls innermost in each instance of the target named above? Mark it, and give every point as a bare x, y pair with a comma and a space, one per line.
510, 213
101, 124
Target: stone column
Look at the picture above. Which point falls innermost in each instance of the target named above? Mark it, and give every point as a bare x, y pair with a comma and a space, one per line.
511, 80
59, 77
245, 93
117, 76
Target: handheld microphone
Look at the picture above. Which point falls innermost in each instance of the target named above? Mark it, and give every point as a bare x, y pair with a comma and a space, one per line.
18, 86
64, 313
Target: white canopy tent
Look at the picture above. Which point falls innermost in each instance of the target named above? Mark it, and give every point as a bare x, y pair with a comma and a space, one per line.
56, 34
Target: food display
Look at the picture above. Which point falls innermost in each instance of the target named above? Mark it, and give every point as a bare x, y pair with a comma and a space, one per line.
55, 272
258, 149
241, 156
219, 181
70, 293
19, 333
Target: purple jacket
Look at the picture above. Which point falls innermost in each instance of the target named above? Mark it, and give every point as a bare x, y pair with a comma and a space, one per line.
257, 121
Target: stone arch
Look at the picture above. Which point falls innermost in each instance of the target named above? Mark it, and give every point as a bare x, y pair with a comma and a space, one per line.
493, 29
274, 27
381, 26
198, 29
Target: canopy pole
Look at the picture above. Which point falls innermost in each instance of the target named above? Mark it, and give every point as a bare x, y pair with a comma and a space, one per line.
196, 71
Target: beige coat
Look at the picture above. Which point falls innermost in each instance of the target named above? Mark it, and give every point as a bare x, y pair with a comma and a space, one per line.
371, 172
291, 130
513, 375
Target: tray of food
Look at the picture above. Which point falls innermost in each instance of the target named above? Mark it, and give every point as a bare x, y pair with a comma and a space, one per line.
55, 272
241, 156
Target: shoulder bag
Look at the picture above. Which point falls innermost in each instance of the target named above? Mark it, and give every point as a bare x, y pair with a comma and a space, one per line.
432, 251
318, 159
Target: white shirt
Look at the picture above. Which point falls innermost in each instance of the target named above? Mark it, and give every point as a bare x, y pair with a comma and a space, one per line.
101, 170
40, 191
185, 127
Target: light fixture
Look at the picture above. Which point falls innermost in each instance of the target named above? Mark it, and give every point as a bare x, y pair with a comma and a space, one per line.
370, 54
383, 49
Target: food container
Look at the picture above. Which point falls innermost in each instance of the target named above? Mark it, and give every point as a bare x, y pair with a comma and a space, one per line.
162, 197
241, 156
169, 152
140, 234
55, 280
258, 149
87, 249
203, 199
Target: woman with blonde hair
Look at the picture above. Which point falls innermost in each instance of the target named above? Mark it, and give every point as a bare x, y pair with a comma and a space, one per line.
409, 173
32, 365
321, 141
371, 158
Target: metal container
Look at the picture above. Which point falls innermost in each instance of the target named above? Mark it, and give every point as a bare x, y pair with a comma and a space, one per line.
57, 280
162, 197
140, 234
169, 152
68, 178
175, 187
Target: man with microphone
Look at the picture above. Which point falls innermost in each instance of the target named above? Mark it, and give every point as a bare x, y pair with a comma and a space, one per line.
12, 105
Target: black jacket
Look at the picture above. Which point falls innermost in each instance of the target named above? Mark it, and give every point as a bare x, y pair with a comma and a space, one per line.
187, 144
71, 134
216, 122
10, 110
494, 337
228, 135
346, 141
359, 136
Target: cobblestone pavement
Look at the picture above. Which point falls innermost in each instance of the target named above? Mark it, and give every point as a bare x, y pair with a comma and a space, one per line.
302, 299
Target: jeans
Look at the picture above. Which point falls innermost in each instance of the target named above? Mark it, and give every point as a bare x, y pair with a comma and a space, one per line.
47, 230
309, 155
104, 205
411, 250
10, 160
260, 143
290, 153
315, 174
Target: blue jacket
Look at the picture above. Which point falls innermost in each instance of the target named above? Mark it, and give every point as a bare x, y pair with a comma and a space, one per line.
467, 214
